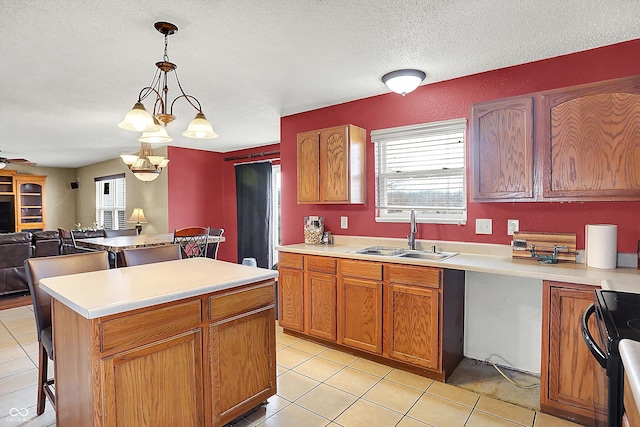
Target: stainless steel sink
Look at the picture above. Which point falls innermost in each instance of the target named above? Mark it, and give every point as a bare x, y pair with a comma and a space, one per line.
431, 256
380, 250
405, 253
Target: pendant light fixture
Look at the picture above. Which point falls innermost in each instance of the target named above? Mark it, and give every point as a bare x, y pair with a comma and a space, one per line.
145, 166
403, 81
152, 126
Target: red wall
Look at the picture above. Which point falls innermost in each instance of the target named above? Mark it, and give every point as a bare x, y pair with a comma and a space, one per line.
202, 191
452, 99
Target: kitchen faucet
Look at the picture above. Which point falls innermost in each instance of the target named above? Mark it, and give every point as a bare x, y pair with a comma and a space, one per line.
411, 238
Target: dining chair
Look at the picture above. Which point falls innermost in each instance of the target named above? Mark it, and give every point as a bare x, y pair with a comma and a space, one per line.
118, 233
212, 249
192, 240
140, 256
40, 268
67, 245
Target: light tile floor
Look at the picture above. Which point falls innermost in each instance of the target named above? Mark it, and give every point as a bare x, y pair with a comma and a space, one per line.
317, 386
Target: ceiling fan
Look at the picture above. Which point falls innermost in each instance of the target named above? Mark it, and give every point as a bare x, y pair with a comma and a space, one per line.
5, 161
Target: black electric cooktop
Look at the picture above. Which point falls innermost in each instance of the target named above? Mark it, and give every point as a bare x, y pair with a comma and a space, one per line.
620, 312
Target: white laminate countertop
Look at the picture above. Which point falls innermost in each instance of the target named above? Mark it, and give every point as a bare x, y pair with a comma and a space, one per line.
101, 293
630, 354
619, 279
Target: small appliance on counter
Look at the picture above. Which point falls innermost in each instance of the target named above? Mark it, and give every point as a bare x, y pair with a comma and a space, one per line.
313, 230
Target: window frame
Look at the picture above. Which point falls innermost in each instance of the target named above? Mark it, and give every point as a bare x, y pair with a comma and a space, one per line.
416, 132
100, 208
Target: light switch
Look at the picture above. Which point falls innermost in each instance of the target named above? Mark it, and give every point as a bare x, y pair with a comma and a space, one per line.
484, 226
344, 222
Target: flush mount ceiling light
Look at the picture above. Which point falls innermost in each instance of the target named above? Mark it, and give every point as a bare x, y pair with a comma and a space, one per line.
403, 81
152, 126
145, 166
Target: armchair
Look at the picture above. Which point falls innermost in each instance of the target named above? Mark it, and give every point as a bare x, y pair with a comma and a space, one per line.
15, 248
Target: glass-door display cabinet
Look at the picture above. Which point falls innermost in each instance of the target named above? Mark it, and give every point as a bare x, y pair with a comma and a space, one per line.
30, 212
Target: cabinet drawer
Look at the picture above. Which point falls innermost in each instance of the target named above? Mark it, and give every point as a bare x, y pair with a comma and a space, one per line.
411, 275
362, 269
149, 325
320, 264
241, 301
290, 260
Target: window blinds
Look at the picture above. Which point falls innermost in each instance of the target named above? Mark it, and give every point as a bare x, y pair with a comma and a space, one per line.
421, 167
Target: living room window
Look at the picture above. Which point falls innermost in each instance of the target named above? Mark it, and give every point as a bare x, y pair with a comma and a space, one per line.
421, 167
111, 199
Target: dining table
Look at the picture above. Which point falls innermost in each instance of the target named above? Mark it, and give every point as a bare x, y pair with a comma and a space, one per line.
119, 243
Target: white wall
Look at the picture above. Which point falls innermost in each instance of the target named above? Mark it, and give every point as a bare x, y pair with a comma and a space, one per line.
503, 317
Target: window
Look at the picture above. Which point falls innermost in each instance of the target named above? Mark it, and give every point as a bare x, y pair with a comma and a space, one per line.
421, 167
111, 199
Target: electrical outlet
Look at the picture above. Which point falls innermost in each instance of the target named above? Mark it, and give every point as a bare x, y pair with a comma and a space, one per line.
344, 222
513, 225
484, 226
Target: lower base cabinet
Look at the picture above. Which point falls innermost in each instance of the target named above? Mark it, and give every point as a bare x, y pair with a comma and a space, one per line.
573, 385
403, 315
202, 361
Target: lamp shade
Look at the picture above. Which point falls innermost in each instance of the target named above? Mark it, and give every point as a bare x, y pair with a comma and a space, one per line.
138, 120
137, 216
3, 165
200, 128
403, 81
158, 136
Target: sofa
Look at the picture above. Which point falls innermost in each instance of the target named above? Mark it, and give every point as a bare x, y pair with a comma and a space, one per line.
15, 248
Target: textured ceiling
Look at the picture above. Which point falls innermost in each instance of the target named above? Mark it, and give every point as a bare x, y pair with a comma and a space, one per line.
71, 69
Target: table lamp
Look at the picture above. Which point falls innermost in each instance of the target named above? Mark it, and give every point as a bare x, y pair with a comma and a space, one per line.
138, 217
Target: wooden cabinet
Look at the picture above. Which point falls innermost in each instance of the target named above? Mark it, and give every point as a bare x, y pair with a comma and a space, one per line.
502, 150
291, 291
30, 212
562, 392
360, 305
411, 318
243, 363
576, 143
22, 202
331, 165
320, 288
202, 361
174, 365
590, 144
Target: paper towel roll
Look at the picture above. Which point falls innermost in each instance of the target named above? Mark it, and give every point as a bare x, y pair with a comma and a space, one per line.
601, 244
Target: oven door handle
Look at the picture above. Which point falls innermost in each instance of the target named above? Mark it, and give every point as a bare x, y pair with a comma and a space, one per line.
600, 356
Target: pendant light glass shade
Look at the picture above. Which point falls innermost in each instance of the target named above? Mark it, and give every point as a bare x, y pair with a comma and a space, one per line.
403, 81
138, 120
158, 136
200, 128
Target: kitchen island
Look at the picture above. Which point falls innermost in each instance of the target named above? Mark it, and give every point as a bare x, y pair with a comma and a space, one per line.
189, 342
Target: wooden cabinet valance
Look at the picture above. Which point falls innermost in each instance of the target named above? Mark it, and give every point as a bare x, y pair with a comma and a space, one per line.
578, 143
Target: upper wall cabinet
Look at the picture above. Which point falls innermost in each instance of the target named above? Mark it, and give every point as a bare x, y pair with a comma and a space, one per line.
331, 165
502, 150
590, 143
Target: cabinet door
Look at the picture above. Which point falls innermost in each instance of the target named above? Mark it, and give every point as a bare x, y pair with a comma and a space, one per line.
411, 324
590, 145
308, 167
360, 314
502, 156
159, 384
563, 392
242, 353
291, 299
334, 164
320, 305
